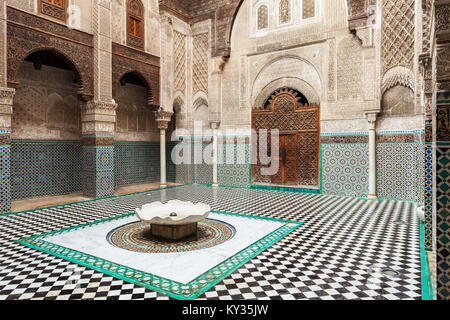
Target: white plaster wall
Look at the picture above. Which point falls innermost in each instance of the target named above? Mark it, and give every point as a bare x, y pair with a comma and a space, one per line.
303, 50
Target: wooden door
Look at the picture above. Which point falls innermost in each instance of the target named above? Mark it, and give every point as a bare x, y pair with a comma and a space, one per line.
287, 159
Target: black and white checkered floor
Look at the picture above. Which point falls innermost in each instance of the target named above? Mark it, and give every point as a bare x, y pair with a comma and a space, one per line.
338, 253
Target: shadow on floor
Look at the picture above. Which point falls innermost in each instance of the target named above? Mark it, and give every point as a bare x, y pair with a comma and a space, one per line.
45, 202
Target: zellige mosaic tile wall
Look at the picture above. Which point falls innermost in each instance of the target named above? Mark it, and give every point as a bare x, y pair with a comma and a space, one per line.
345, 169
138, 162
40, 168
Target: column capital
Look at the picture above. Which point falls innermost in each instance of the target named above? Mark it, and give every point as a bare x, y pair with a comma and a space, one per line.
372, 118
6, 100
6, 108
218, 63
98, 117
163, 118
214, 124
365, 34
99, 107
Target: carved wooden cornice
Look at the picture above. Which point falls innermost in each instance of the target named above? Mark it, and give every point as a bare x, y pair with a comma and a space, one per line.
144, 65
27, 33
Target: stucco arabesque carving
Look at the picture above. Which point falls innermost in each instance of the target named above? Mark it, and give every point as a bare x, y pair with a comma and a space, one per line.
163, 118
361, 19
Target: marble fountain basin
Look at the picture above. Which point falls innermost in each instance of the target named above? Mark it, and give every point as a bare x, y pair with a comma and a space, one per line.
173, 220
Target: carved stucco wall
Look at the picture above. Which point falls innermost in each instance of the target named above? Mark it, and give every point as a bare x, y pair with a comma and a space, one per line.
179, 56
134, 120
46, 106
398, 43
322, 58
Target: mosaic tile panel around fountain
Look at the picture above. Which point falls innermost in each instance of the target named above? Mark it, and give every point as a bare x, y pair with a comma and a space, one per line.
40, 168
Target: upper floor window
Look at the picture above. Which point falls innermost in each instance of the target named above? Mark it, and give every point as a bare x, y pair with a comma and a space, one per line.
135, 24
285, 11
53, 8
308, 9
263, 17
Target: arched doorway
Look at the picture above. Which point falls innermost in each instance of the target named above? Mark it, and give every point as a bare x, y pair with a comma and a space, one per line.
136, 147
46, 128
297, 120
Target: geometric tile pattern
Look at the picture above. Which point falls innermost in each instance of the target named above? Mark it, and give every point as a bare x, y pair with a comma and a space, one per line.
234, 171
335, 255
5, 178
184, 174
428, 198
135, 237
345, 169
171, 168
443, 220
203, 172
400, 171
136, 163
98, 171
179, 290
184, 171
40, 168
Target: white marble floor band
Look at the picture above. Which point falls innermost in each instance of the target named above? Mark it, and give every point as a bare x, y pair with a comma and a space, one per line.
182, 267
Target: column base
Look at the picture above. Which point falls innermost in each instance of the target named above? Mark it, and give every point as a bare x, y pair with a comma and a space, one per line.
163, 186
372, 197
214, 185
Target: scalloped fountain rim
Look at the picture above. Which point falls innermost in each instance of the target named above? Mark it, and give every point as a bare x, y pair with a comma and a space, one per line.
160, 213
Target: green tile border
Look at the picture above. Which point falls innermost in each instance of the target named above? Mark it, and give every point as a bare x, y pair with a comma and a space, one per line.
168, 287
427, 286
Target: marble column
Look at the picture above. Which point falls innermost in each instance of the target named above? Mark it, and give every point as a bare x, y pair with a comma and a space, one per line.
215, 107
162, 119
372, 120
215, 127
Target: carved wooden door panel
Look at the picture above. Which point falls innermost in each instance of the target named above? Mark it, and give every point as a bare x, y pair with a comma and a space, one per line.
287, 159
290, 159
288, 111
